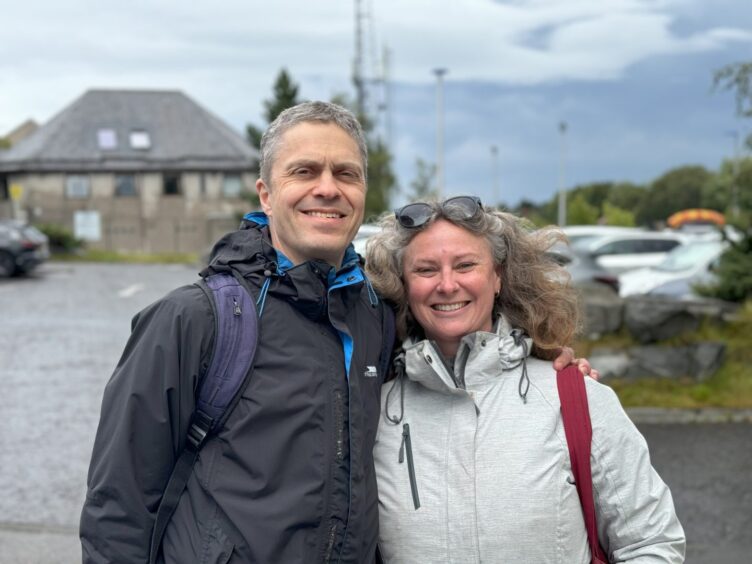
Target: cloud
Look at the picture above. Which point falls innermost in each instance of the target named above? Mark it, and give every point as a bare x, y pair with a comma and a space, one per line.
544, 41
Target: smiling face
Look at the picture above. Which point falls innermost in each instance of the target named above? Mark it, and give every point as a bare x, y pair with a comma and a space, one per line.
317, 195
451, 282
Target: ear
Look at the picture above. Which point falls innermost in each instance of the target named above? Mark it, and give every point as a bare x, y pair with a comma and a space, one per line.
264, 197
497, 281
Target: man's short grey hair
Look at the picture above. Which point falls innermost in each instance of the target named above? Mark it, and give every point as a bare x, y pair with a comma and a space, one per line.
322, 112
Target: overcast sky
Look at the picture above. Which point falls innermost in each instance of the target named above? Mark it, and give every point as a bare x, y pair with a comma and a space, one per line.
632, 78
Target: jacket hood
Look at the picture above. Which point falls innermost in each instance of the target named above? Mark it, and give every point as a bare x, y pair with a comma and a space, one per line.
488, 353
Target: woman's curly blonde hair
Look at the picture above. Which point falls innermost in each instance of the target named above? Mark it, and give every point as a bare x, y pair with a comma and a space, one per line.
535, 293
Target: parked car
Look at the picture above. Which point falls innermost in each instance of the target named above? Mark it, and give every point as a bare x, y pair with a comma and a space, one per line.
629, 251
586, 274
684, 267
578, 233
22, 247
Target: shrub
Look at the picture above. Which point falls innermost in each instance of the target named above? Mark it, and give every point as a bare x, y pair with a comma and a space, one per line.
734, 272
61, 238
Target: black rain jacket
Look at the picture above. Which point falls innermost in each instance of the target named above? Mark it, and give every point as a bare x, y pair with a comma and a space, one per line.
290, 476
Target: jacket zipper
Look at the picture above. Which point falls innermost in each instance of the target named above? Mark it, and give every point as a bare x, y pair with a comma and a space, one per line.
339, 421
407, 445
330, 542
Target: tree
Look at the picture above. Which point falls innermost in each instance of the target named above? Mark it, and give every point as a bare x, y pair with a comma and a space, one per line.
423, 187
381, 179
614, 215
626, 195
4, 143
580, 212
594, 194
284, 95
675, 190
738, 78
734, 272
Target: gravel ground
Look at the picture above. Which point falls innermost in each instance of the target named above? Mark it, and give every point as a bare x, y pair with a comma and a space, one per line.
63, 330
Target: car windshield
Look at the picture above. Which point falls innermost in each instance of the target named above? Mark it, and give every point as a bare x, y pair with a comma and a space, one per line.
686, 256
583, 242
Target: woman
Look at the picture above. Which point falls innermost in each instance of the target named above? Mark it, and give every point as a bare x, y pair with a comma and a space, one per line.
471, 457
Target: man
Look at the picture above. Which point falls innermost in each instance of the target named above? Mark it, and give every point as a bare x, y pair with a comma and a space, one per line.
289, 477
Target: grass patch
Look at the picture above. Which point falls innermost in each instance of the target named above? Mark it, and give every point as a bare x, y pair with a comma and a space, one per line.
730, 387
98, 255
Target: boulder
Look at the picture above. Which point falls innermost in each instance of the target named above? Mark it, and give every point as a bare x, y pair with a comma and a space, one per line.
603, 312
698, 361
610, 363
651, 319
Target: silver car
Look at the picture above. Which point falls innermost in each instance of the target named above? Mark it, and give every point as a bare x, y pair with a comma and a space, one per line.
686, 266
628, 251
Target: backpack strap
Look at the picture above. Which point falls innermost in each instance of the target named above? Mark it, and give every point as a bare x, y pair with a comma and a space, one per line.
579, 432
235, 340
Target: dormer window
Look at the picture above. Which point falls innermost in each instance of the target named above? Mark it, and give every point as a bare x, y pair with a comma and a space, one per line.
107, 139
140, 139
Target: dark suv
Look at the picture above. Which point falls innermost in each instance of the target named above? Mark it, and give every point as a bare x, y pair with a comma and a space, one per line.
22, 247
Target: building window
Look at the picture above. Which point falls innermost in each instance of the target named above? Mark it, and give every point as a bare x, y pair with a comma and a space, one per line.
125, 186
107, 139
140, 139
232, 186
4, 192
77, 187
171, 184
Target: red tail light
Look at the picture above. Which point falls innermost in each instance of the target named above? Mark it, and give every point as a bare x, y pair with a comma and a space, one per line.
612, 281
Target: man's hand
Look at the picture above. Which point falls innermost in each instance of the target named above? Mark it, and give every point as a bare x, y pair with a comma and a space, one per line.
566, 357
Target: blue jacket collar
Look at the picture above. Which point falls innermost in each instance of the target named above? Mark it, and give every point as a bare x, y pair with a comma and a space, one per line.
350, 261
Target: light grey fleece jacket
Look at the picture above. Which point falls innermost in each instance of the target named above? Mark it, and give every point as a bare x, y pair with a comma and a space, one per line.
492, 472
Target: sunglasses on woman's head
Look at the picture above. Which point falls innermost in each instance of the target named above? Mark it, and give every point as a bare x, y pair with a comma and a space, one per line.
418, 214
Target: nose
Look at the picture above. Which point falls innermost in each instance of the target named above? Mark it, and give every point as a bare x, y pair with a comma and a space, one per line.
447, 281
326, 187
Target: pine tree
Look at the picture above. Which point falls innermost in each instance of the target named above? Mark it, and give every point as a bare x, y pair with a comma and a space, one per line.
284, 95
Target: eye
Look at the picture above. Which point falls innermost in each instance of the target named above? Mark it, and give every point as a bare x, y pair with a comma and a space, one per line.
466, 266
349, 174
302, 171
424, 270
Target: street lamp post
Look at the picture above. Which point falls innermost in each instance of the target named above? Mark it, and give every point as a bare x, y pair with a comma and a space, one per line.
562, 219
440, 72
495, 174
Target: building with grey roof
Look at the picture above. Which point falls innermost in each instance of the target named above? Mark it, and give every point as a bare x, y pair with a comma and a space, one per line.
131, 170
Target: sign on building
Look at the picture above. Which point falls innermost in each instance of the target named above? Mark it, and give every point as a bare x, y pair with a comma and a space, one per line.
87, 225
16, 192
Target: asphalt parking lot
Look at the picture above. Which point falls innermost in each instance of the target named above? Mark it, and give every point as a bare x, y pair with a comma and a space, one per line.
62, 331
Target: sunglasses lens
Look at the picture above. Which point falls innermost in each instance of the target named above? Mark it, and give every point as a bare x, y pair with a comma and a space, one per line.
467, 205
414, 215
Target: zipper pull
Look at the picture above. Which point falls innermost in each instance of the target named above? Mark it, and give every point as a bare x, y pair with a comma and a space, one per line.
236, 309
410, 464
402, 447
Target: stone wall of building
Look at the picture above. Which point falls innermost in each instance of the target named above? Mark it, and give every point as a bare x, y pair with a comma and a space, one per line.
150, 222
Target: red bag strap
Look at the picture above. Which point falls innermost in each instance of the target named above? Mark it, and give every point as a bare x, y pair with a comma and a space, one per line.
576, 418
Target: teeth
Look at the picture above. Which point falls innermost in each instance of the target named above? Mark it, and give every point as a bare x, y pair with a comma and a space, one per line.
324, 215
449, 307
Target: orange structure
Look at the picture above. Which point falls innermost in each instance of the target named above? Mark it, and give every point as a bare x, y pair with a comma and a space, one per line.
695, 216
